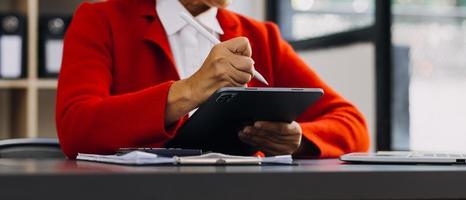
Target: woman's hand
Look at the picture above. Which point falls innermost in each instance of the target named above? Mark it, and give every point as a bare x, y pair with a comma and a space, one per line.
273, 138
229, 64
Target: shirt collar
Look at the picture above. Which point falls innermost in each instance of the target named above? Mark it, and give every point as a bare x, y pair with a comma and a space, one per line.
168, 12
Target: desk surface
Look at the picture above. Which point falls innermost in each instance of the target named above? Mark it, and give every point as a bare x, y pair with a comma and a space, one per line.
328, 179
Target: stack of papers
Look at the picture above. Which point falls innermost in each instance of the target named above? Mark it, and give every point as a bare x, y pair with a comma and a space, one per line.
143, 158
132, 158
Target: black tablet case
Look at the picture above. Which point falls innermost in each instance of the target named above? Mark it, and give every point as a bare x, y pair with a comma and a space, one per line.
215, 125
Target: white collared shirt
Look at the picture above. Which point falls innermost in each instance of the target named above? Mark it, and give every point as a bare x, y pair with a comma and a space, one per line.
189, 48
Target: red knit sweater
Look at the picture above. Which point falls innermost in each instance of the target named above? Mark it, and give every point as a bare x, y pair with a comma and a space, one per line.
118, 68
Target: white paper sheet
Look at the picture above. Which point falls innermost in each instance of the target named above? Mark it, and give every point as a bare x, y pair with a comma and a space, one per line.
132, 158
143, 158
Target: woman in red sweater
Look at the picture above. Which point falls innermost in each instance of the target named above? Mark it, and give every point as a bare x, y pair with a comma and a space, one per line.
132, 71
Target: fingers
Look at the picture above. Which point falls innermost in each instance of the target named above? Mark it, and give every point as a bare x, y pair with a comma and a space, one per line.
277, 127
242, 63
271, 135
228, 64
235, 70
281, 128
233, 64
267, 145
274, 138
239, 46
238, 78
240, 69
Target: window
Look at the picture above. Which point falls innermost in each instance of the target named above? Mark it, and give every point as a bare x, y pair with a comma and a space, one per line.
329, 17
434, 34
420, 61
334, 22
315, 24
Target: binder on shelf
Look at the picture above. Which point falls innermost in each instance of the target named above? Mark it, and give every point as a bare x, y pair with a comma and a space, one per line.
12, 46
51, 34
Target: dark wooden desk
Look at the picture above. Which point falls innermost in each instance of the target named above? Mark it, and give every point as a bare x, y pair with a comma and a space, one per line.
312, 179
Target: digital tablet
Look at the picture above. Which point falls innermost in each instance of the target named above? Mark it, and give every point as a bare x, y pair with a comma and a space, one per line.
215, 125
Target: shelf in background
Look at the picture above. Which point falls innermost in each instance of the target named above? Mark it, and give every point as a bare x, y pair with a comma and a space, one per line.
24, 84
13, 84
27, 105
47, 84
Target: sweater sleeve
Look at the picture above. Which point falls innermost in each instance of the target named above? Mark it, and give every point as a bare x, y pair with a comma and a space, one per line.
333, 124
89, 118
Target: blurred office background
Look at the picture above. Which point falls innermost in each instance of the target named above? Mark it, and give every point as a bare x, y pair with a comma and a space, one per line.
402, 62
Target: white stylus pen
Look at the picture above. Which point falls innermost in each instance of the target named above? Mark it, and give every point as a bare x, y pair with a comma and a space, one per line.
214, 40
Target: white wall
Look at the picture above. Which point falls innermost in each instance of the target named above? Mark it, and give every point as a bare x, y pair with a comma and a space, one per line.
251, 8
350, 70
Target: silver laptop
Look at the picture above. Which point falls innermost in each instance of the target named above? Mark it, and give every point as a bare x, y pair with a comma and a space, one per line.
405, 157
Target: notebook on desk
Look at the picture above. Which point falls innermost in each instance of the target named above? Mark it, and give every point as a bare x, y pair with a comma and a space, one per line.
144, 158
